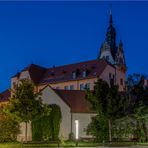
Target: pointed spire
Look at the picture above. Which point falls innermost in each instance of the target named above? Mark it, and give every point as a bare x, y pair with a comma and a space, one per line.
110, 18
120, 43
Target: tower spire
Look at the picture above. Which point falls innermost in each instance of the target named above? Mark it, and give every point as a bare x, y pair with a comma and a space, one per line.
110, 18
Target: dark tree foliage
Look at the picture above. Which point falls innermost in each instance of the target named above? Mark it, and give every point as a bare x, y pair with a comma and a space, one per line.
49, 125
106, 103
25, 105
137, 94
9, 128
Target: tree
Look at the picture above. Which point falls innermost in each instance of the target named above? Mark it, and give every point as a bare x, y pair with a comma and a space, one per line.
25, 105
105, 101
8, 128
49, 125
138, 106
113, 107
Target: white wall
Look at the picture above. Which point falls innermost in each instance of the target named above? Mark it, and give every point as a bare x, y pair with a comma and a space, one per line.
50, 97
23, 75
68, 119
84, 119
21, 136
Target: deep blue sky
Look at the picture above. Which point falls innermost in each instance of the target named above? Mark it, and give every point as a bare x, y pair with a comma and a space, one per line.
57, 33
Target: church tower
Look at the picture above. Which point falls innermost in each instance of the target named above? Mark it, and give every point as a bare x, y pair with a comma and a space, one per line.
120, 59
109, 51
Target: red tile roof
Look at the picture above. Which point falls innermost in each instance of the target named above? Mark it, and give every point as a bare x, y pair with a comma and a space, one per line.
41, 75
76, 100
36, 72
5, 95
94, 68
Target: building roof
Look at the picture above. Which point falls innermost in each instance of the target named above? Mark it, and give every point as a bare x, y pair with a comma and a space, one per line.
43, 76
36, 72
93, 68
5, 95
76, 100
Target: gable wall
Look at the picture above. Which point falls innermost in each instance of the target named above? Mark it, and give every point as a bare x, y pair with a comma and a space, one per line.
50, 97
84, 119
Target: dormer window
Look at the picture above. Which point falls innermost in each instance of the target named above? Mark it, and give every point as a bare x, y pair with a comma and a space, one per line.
84, 74
74, 75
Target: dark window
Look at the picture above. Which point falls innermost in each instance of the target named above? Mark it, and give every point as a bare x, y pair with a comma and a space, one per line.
84, 74
111, 82
87, 85
71, 87
66, 87
82, 87
74, 75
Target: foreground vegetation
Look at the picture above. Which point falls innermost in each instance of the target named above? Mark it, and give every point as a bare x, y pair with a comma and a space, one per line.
120, 116
70, 144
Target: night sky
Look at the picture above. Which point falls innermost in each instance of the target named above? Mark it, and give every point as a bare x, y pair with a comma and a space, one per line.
58, 33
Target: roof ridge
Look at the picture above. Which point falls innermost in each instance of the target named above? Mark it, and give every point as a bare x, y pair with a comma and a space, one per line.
73, 64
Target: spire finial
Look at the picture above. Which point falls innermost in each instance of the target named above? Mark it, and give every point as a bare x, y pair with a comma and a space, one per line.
110, 17
110, 11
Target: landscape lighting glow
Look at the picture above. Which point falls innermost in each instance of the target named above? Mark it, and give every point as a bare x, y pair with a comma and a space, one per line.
77, 128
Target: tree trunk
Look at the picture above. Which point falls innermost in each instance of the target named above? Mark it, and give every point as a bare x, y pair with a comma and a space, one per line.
26, 132
110, 130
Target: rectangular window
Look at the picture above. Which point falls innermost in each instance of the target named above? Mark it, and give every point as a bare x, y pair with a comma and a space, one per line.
84, 74
87, 85
71, 87
66, 87
82, 87
74, 75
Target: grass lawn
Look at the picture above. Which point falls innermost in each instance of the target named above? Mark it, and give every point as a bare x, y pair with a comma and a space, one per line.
66, 144
10, 145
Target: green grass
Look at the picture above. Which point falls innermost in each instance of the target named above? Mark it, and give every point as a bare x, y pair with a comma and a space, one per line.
67, 144
143, 144
10, 145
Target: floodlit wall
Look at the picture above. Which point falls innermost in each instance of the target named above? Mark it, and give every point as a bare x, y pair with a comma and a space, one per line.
83, 119
50, 97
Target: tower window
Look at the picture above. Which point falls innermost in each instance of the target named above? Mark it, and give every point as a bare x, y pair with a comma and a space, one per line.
107, 58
